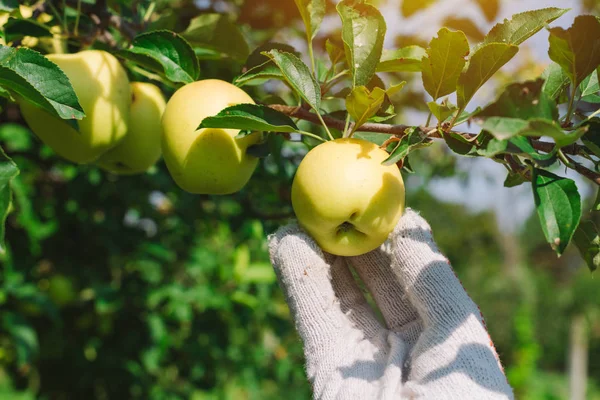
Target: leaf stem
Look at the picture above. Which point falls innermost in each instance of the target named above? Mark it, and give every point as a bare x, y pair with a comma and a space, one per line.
564, 159
312, 135
311, 55
324, 125
65, 26
428, 118
149, 12
76, 28
570, 108
592, 115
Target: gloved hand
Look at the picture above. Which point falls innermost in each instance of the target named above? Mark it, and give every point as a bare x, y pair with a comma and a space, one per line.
433, 343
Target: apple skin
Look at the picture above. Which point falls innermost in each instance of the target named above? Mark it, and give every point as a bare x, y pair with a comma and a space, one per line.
206, 161
345, 198
141, 147
102, 86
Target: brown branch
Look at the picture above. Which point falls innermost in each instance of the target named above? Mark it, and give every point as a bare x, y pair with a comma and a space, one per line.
398, 130
588, 173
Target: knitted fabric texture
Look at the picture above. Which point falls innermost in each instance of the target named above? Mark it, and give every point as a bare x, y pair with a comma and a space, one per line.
432, 342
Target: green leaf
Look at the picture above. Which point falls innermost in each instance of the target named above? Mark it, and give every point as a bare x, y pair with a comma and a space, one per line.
589, 85
577, 49
362, 103
441, 111
522, 26
259, 74
587, 240
39, 81
410, 7
504, 128
465, 25
484, 63
524, 101
413, 139
250, 117
514, 179
406, 59
363, 32
216, 32
592, 139
489, 8
459, 144
444, 62
257, 57
555, 80
489, 146
335, 51
298, 76
16, 28
259, 68
8, 170
164, 52
8, 5
558, 206
312, 13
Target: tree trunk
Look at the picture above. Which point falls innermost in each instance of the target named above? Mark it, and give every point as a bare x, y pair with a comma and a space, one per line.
578, 358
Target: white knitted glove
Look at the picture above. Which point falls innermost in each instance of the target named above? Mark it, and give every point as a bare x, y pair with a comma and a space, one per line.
433, 345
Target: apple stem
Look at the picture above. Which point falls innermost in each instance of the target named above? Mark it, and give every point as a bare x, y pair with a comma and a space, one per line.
346, 133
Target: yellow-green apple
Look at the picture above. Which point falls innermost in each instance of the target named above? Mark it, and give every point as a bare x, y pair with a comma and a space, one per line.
207, 161
345, 198
102, 86
141, 147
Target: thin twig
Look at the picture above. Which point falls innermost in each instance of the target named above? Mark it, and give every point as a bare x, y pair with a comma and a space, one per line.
588, 173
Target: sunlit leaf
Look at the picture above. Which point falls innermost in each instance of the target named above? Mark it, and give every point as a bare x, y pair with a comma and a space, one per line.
298, 76
363, 31
445, 59
441, 111
406, 59
486, 61
362, 103
522, 26
577, 49
312, 13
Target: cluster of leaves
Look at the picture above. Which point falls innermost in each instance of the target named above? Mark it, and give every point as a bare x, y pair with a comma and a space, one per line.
511, 126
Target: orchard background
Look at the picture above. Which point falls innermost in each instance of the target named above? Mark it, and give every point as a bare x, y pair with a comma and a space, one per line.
118, 287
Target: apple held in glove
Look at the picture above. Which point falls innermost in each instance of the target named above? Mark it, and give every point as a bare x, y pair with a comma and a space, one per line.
345, 198
208, 160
